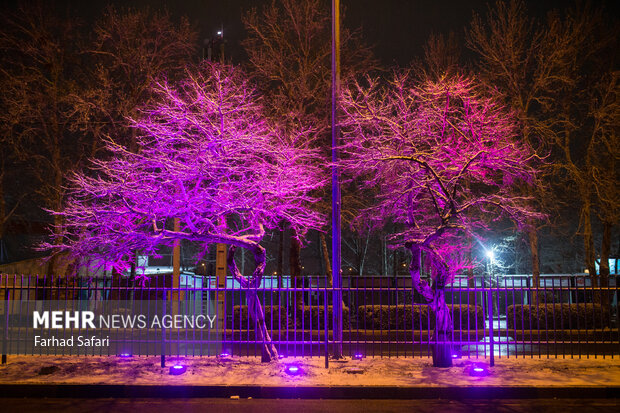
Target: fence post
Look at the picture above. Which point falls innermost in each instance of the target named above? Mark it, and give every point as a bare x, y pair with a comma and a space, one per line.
490, 311
325, 321
163, 330
5, 337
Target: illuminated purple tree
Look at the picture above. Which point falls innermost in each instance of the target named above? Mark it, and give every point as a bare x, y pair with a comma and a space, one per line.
207, 156
444, 159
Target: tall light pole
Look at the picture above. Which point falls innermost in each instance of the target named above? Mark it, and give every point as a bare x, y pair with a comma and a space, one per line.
336, 199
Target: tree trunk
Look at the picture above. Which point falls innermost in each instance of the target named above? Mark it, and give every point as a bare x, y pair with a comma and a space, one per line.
3, 214
279, 268
53, 261
295, 264
588, 243
605, 252
255, 309
362, 257
442, 335
532, 235
384, 257
604, 266
590, 252
471, 280
328, 265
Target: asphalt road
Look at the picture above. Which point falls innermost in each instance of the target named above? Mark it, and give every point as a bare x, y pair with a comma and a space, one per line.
304, 406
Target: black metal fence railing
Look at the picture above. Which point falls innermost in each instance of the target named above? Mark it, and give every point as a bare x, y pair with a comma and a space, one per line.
564, 316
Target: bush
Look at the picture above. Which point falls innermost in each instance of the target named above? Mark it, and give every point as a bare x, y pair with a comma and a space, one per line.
317, 314
310, 316
280, 318
559, 316
404, 317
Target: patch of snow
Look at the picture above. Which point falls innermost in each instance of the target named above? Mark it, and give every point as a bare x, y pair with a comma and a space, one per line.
250, 371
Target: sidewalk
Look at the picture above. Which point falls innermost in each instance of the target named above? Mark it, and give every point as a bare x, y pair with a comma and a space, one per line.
33, 376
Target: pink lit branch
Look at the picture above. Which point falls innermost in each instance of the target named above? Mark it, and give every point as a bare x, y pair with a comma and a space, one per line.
206, 155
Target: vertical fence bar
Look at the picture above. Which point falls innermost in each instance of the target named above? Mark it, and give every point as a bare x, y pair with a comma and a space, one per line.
19, 296
163, 329
578, 327
325, 325
5, 338
604, 302
561, 320
616, 279
351, 305
585, 314
490, 311
481, 305
546, 315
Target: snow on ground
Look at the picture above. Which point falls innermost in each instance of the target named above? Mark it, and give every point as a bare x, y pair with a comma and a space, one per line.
250, 371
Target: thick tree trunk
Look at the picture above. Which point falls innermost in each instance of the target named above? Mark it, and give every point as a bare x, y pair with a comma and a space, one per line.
442, 335
443, 319
255, 309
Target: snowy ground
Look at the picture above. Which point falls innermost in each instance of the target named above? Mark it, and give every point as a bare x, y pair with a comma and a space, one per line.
367, 372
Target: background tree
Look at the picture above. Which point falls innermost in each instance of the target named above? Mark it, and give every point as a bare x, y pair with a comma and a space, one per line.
207, 156
527, 64
443, 156
130, 49
586, 132
442, 57
64, 91
547, 71
605, 110
10, 196
289, 51
42, 71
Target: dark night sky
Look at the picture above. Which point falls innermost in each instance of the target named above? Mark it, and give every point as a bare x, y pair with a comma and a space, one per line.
396, 28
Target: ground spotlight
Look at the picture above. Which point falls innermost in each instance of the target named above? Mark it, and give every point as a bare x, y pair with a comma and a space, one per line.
293, 370
177, 369
358, 356
478, 370
125, 355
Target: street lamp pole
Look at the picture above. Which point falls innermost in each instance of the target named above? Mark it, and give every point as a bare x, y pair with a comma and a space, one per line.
336, 198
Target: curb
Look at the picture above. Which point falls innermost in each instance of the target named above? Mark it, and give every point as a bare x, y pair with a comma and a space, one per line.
304, 392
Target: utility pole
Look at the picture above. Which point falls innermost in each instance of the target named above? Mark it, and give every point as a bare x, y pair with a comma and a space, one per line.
336, 198
214, 52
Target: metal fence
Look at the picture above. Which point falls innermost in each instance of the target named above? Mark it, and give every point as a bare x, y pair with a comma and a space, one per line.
382, 316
